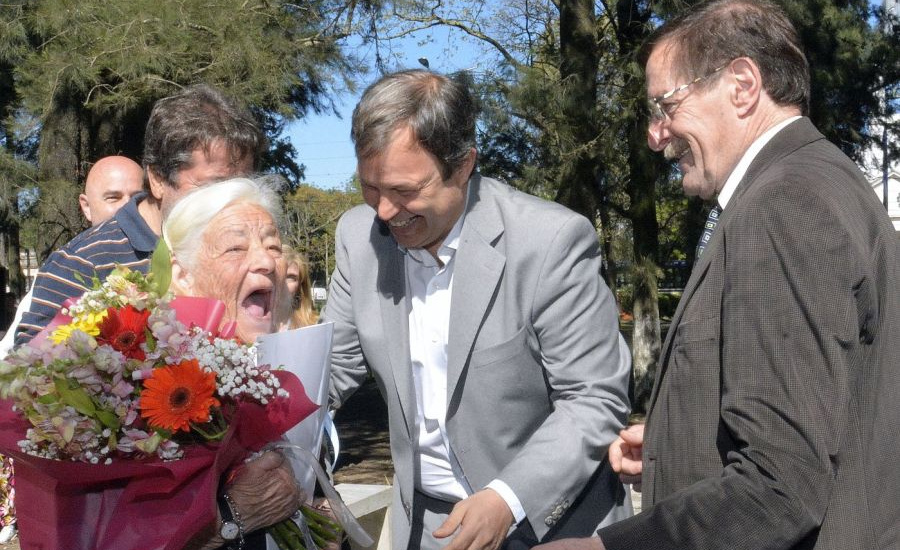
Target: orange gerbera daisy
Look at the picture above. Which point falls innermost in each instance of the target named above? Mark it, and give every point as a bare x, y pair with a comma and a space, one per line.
176, 395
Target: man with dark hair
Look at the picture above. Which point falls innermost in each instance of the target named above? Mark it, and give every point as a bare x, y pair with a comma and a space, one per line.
772, 423
481, 313
195, 137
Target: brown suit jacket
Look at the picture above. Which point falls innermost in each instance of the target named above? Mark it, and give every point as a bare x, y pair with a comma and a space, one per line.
773, 422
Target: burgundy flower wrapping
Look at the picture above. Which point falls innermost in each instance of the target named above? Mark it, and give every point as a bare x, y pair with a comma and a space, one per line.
137, 504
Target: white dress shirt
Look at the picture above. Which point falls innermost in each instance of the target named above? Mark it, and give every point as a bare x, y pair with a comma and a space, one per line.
6, 344
430, 285
741, 168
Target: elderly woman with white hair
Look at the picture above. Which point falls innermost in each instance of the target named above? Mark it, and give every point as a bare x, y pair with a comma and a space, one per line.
225, 244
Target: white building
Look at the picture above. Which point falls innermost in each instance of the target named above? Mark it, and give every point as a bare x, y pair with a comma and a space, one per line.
877, 173
893, 192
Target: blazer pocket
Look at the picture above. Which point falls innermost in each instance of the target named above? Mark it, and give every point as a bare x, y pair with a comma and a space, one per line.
697, 330
500, 352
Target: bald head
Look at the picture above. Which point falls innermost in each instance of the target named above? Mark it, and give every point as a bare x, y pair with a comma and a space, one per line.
109, 185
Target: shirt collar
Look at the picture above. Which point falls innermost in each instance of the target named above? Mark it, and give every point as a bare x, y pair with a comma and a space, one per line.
139, 234
741, 169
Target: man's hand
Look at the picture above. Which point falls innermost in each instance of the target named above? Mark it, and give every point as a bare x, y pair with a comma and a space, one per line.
480, 522
626, 455
590, 543
264, 491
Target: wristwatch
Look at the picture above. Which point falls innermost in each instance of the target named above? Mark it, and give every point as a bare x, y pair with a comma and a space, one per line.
232, 530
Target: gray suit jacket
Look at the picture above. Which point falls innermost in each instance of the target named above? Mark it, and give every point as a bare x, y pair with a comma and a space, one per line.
773, 423
537, 375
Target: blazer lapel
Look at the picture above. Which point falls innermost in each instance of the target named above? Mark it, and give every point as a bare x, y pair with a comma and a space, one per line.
476, 275
395, 323
795, 135
698, 274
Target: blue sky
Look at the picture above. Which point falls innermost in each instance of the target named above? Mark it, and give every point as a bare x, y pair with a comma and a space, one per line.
323, 141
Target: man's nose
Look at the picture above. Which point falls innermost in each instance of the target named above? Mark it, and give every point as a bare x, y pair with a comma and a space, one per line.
386, 208
658, 135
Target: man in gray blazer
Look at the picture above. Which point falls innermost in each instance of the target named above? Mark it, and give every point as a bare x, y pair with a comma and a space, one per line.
773, 420
481, 313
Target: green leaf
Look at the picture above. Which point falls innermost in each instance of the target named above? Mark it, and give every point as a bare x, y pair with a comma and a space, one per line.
108, 419
75, 397
161, 267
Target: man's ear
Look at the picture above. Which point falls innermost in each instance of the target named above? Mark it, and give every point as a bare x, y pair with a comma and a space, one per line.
468, 165
182, 281
748, 85
85, 207
157, 184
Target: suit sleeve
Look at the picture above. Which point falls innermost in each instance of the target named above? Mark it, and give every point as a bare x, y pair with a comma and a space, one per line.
348, 365
789, 324
586, 365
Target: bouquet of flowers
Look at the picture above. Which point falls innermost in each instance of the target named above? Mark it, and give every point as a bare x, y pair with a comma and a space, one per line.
132, 406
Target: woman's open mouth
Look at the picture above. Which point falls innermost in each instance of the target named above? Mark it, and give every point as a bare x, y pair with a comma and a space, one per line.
258, 304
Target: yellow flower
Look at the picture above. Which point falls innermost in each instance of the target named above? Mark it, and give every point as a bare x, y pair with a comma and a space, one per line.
88, 323
62, 333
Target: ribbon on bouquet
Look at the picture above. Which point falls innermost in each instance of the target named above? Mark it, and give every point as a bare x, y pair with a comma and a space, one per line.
342, 513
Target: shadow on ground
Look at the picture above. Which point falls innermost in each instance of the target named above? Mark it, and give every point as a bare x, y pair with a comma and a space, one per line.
362, 426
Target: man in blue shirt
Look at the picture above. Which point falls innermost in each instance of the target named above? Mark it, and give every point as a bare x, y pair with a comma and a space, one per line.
195, 137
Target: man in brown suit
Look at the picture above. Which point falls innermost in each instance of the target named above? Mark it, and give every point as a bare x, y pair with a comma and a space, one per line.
773, 421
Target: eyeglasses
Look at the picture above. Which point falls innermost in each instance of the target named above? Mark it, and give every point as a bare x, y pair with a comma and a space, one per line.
659, 111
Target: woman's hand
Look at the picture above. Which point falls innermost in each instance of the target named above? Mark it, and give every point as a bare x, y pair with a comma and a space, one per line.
264, 491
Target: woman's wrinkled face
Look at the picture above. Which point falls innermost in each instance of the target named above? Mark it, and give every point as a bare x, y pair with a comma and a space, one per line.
240, 263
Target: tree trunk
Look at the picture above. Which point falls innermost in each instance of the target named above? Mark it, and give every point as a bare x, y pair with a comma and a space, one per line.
609, 265
644, 170
578, 188
646, 338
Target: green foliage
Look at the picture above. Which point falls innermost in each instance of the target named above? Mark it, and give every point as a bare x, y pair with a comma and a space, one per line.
118, 55
311, 216
668, 303
625, 297
161, 268
88, 72
851, 58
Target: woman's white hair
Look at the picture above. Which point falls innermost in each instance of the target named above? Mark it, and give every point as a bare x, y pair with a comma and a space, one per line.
184, 226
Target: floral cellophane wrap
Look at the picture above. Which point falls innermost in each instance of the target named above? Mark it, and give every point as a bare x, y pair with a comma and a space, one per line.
145, 503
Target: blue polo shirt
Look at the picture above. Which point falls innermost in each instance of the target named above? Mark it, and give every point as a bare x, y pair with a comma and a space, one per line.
126, 240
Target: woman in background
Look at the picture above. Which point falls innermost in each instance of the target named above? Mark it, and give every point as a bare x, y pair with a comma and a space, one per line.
297, 309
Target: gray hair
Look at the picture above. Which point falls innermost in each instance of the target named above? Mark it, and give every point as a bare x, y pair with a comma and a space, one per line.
184, 226
711, 34
440, 110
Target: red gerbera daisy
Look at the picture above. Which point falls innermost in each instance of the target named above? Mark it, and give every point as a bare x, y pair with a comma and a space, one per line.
176, 395
124, 330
